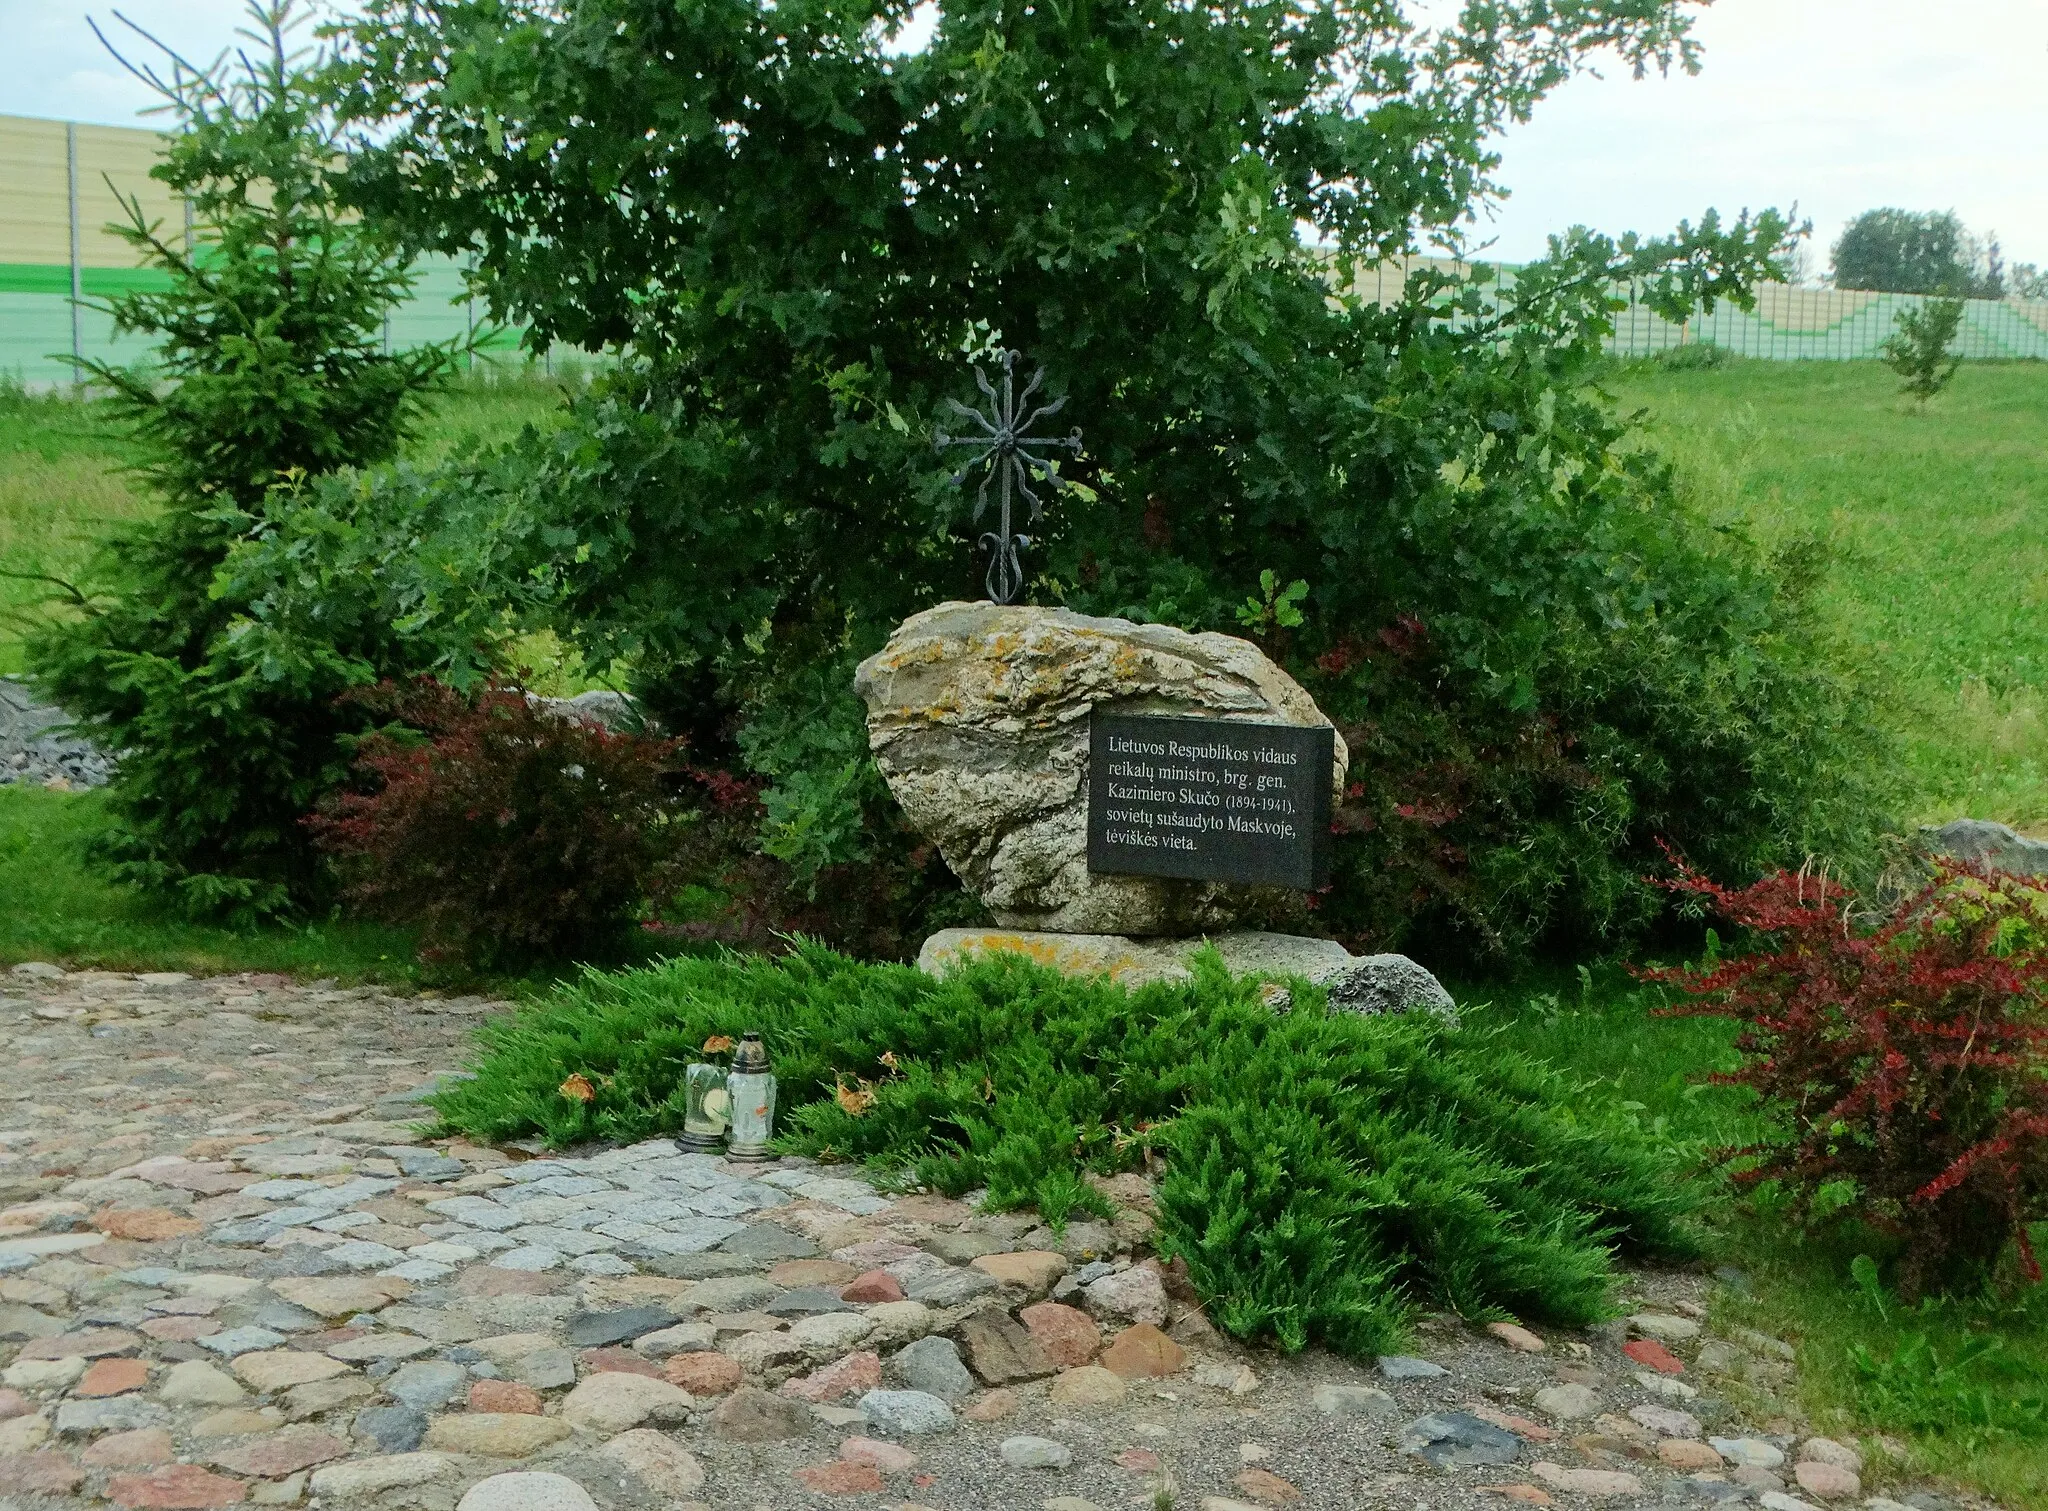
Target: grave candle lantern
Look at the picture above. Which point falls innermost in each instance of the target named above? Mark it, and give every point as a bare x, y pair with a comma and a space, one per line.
707, 1107
751, 1087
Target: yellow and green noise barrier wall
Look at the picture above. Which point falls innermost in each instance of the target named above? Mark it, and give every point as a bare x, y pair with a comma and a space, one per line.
57, 257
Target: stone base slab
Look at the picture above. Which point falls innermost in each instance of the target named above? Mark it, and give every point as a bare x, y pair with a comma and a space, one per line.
1134, 962
1368, 984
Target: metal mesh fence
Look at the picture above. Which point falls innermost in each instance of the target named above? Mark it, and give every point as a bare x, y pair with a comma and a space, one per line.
57, 192
36, 328
1789, 324
1796, 324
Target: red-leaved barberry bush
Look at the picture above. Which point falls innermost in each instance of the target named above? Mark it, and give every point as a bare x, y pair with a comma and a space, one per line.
503, 831
1904, 1062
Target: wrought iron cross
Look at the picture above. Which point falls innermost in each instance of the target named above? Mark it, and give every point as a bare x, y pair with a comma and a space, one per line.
1006, 445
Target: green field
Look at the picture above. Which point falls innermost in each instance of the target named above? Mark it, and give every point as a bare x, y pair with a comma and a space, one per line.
60, 487
1938, 520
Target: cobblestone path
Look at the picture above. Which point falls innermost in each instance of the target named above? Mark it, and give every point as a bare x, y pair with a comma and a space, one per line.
232, 1273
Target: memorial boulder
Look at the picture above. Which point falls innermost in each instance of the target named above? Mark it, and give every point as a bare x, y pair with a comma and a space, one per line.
986, 720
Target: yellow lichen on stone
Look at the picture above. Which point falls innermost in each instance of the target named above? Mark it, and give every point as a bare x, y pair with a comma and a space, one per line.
1071, 955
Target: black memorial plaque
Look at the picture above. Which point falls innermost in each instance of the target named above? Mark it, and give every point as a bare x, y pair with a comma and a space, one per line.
1210, 799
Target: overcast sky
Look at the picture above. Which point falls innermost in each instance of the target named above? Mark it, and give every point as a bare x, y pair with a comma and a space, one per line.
1839, 105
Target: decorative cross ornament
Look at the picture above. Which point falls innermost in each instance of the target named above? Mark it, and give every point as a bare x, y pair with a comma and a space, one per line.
1005, 443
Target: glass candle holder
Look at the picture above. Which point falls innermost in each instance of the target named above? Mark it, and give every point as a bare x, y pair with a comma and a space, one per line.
751, 1087
707, 1108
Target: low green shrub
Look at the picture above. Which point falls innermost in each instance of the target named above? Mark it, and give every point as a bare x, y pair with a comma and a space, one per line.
1324, 1174
1694, 356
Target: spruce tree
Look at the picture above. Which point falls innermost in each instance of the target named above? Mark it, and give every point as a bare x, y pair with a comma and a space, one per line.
268, 369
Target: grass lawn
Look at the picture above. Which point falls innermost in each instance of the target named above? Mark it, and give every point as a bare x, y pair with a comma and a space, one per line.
59, 908
1939, 523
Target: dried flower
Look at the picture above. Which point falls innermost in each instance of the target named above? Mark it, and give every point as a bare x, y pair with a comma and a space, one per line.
718, 1044
578, 1088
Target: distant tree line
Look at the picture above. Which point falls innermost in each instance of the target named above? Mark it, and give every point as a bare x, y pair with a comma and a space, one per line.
1929, 252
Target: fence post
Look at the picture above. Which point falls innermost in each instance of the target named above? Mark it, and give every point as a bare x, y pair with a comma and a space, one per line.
77, 279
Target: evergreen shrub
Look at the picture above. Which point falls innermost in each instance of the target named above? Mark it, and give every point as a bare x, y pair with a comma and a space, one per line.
269, 369
1695, 356
1323, 1176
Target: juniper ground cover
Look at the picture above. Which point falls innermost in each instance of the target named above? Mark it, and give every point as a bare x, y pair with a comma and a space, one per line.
1324, 1174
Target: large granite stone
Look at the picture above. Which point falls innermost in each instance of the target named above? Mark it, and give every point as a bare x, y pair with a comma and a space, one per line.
978, 717
1980, 842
